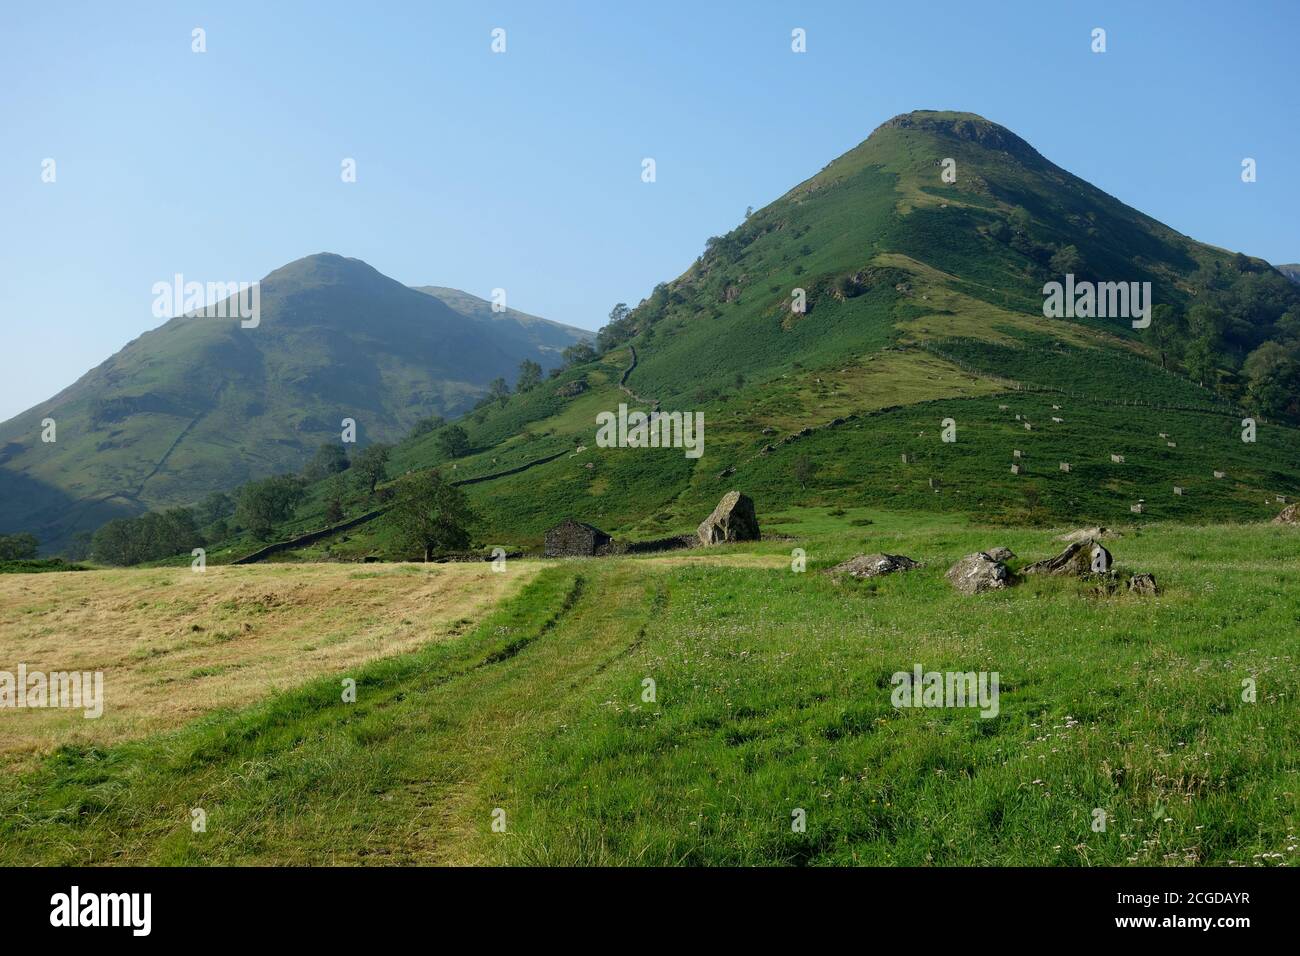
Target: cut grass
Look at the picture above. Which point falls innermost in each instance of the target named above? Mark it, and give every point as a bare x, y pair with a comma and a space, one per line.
771, 694
174, 644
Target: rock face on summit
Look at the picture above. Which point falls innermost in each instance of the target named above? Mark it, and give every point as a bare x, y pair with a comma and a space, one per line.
732, 520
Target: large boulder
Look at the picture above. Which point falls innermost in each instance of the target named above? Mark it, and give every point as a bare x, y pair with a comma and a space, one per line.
1290, 515
874, 565
732, 520
1079, 559
977, 573
999, 553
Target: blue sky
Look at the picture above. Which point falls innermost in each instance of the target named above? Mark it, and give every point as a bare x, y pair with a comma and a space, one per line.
522, 170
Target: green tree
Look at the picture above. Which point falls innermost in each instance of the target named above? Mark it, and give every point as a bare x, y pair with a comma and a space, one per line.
330, 459
1270, 378
18, 547
580, 353
1066, 260
79, 548
213, 508
498, 391
262, 505
430, 515
149, 537
453, 441
335, 490
426, 425
1207, 323
1199, 361
371, 466
530, 374
618, 330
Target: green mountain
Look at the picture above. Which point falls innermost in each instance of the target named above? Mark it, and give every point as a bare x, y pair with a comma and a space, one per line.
511, 325
923, 303
202, 404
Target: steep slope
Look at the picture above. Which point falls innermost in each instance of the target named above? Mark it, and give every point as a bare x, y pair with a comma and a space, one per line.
869, 236
202, 404
923, 303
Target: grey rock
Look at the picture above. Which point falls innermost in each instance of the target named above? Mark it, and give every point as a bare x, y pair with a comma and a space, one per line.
732, 520
1144, 584
1000, 554
1290, 515
977, 573
874, 565
1080, 558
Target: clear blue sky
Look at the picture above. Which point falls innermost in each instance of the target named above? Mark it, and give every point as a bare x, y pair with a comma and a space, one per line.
522, 170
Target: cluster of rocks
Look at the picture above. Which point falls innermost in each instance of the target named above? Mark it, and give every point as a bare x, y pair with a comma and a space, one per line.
1084, 558
803, 433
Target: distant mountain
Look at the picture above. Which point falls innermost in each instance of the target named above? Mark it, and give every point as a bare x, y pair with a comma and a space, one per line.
511, 325
1291, 270
202, 404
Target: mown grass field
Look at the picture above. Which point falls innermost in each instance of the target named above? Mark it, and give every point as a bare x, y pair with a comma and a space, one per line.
772, 694
175, 644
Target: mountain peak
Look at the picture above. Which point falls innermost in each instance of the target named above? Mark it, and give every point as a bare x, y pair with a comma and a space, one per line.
970, 127
324, 268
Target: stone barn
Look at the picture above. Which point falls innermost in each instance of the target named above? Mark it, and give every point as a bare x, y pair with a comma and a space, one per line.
572, 538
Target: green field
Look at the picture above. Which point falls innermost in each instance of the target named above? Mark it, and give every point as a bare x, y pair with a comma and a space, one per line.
772, 695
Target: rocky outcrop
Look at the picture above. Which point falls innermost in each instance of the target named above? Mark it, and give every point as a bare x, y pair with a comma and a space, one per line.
1000, 554
1144, 584
570, 389
732, 520
977, 573
873, 565
1290, 515
1079, 559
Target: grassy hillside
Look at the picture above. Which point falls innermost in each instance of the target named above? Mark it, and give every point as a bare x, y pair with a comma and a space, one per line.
923, 303
201, 404
772, 694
